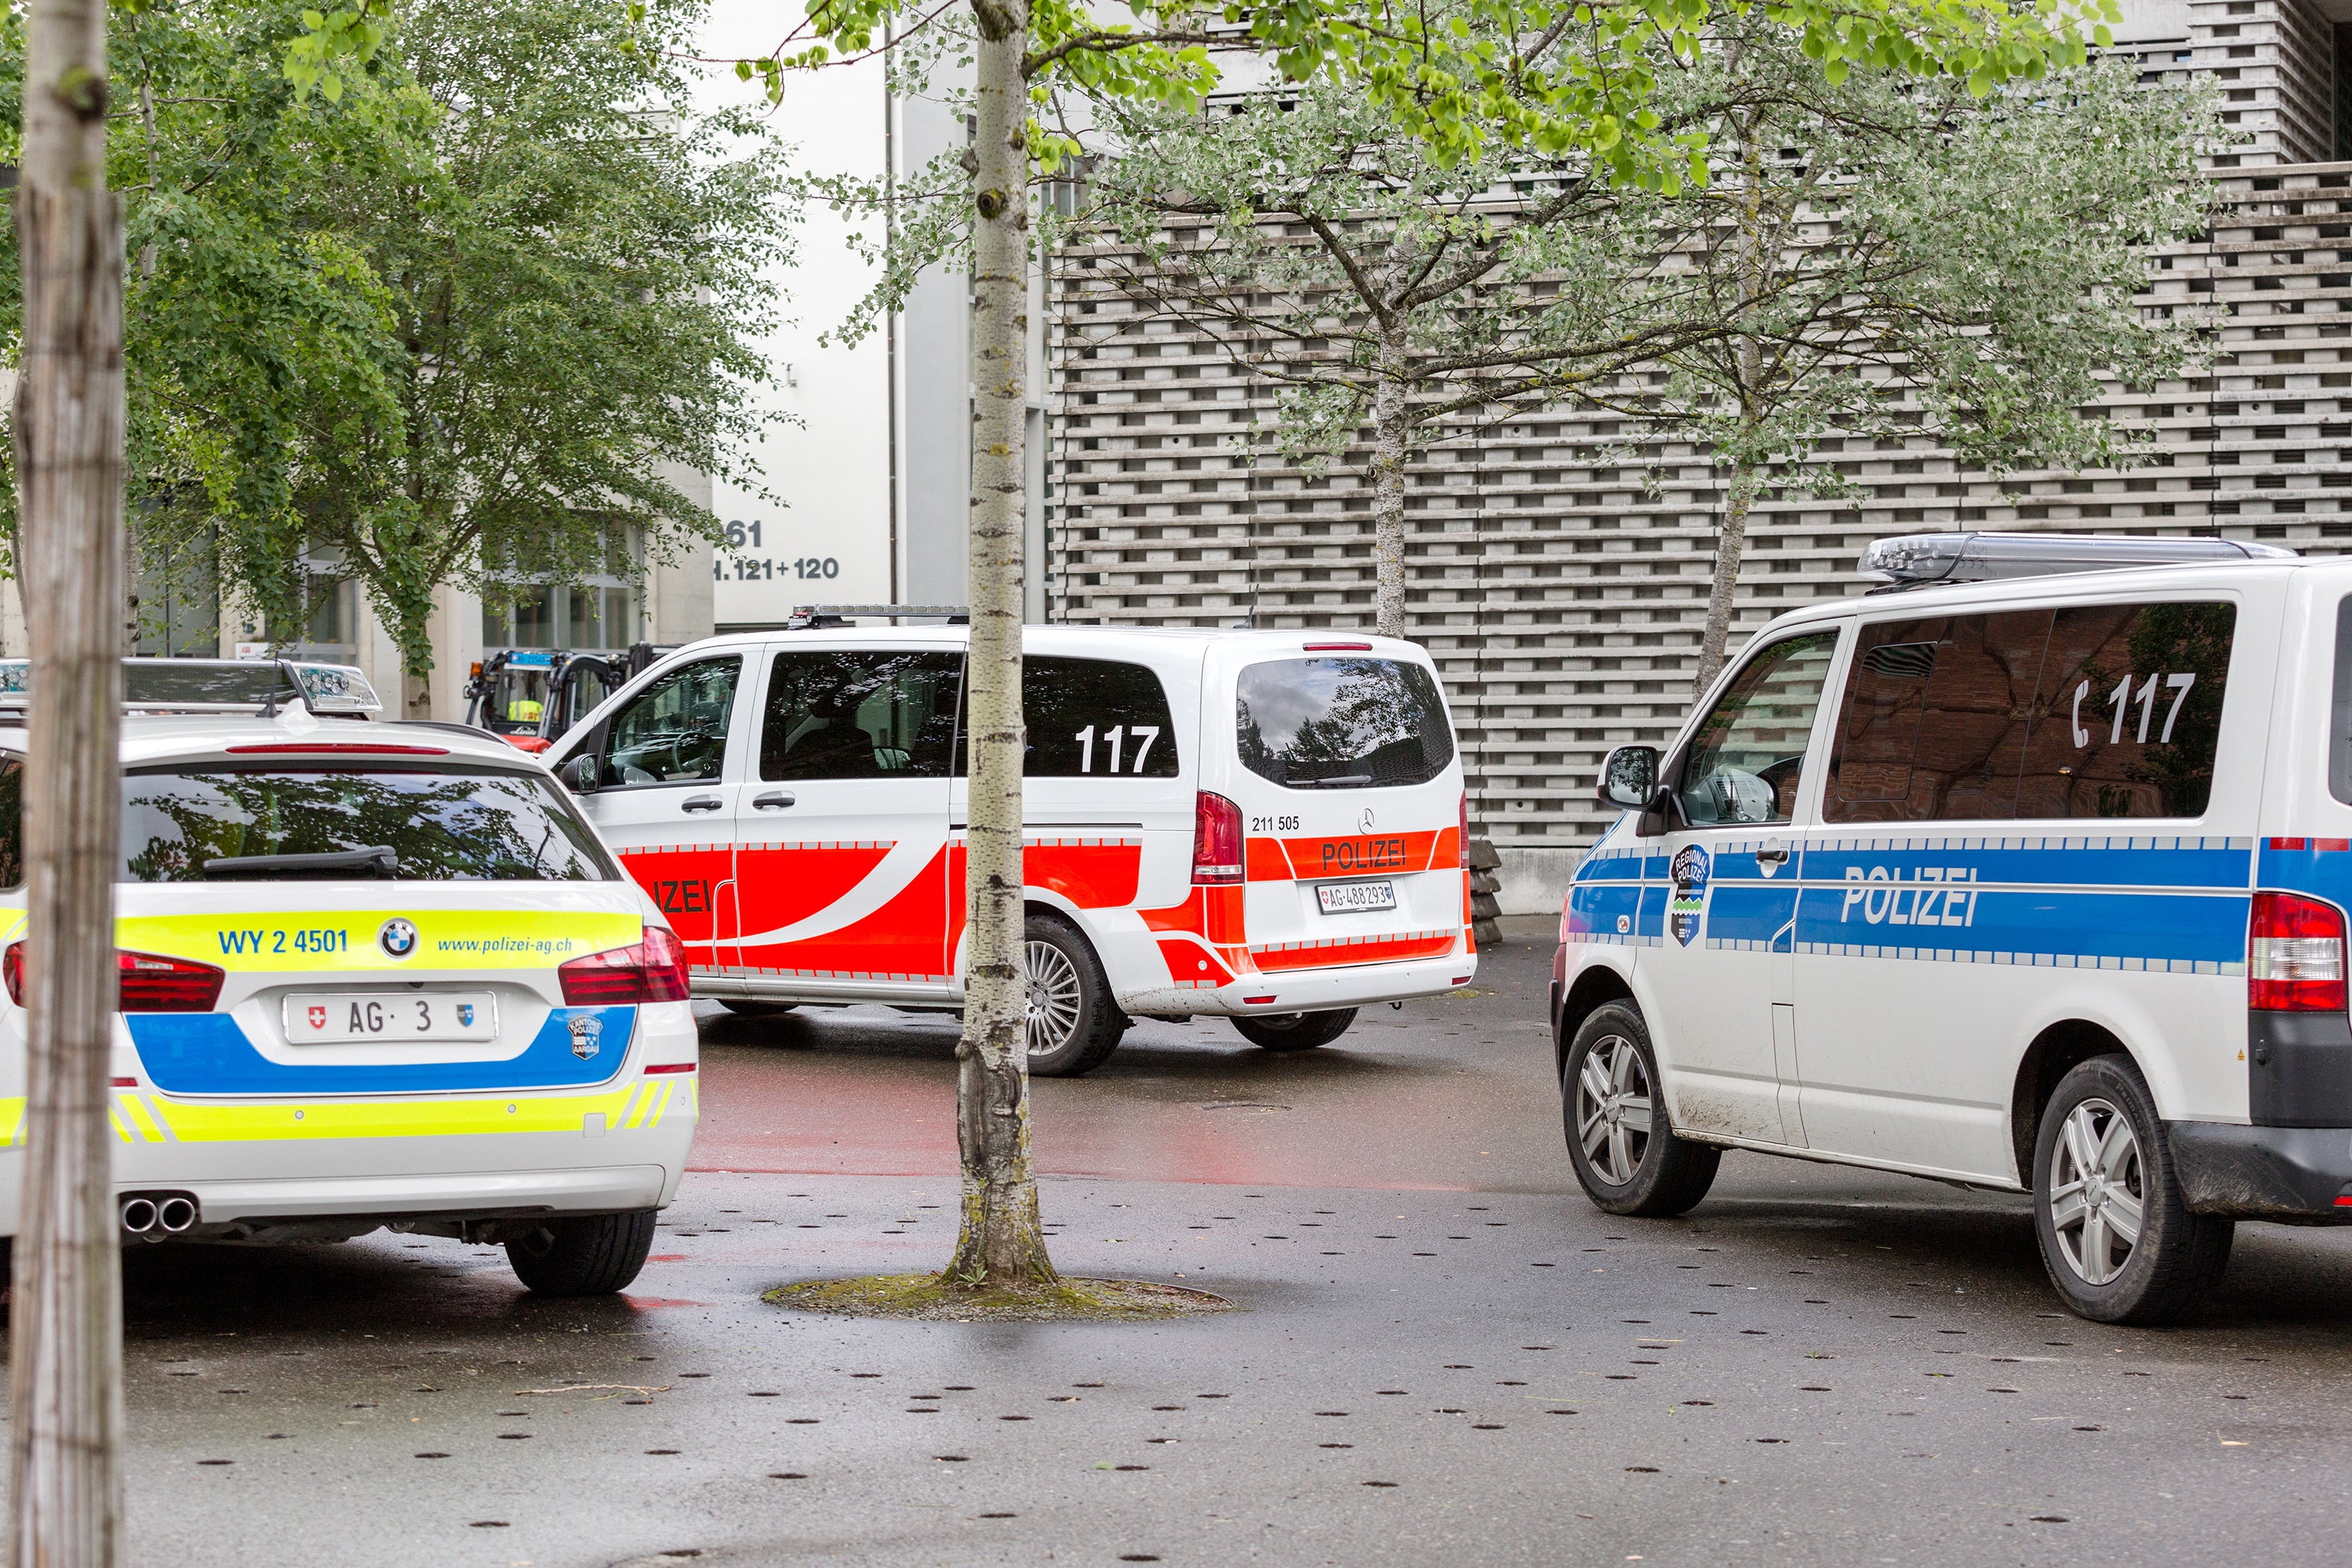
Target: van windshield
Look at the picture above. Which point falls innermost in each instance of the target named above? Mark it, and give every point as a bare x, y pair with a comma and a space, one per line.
210, 824
1342, 723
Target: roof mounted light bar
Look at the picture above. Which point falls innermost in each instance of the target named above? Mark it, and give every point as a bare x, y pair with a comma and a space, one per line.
218, 686
815, 617
1916, 560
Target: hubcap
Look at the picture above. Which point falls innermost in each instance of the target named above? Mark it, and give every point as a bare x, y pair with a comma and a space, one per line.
2096, 1191
1053, 998
1613, 1109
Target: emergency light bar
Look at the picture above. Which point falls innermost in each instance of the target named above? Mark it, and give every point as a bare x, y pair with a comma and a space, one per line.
218, 686
1915, 561
813, 617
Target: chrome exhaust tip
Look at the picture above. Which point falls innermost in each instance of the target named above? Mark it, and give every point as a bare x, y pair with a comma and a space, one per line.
175, 1215
138, 1216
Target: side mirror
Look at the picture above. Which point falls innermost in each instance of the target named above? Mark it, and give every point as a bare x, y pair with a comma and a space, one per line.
579, 774
1629, 777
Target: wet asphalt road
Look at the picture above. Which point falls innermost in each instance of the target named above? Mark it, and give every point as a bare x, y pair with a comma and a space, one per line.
1442, 1355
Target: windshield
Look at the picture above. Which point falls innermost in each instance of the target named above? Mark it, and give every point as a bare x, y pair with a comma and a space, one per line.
1338, 724
193, 824
517, 700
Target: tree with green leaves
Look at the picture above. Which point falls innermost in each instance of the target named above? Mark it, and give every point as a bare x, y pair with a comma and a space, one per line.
463, 319
1874, 236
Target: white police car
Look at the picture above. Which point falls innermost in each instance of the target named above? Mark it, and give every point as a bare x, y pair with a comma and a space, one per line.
379, 975
2032, 874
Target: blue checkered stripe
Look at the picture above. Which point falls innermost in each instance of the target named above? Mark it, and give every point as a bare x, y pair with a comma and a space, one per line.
2149, 903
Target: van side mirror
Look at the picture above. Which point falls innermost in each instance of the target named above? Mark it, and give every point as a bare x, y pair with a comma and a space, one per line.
579, 774
1629, 777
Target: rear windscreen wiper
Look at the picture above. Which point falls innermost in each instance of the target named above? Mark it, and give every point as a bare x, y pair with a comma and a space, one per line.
376, 860
1338, 781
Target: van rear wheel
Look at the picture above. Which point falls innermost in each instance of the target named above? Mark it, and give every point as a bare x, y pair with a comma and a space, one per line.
1627, 1158
2118, 1238
1295, 1031
745, 1007
1072, 1021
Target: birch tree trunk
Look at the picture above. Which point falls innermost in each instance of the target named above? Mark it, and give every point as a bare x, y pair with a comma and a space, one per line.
66, 1309
1000, 1241
1730, 541
1391, 433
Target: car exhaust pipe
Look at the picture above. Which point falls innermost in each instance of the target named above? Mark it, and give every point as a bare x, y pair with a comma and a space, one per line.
138, 1215
175, 1215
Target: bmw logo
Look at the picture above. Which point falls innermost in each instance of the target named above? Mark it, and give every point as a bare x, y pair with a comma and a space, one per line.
398, 938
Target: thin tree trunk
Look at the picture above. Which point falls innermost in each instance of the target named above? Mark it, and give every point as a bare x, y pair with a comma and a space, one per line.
1000, 1242
66, 1308
1730, 539
1391, 431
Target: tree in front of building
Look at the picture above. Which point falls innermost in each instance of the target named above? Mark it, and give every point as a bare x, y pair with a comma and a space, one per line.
1875, 238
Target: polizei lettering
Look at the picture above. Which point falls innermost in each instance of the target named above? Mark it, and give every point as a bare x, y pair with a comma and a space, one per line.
1930, 895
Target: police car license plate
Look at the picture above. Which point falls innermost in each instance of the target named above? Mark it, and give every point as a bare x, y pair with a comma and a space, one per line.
335, 1017
1350, 897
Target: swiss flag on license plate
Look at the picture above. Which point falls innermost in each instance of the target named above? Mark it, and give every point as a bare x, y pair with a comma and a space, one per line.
317, 1017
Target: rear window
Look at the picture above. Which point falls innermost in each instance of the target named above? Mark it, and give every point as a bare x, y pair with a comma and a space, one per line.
200, 824
1342, 723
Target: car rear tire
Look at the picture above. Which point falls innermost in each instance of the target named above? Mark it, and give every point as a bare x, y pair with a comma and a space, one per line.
1073, 1023
1627, 1158
1295, 1031
583, 1255
744, 1007
2118, 1238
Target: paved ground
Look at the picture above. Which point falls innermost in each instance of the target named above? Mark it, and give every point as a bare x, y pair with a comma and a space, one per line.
1442, 1353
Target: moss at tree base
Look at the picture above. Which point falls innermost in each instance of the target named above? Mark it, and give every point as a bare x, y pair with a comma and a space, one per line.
931, 1298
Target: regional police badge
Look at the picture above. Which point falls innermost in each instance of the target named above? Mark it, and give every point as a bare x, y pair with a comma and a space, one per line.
587, 1030
1687, 908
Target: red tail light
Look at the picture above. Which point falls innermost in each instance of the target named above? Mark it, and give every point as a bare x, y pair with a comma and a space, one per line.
1216, 838
1465, 829
145, 982
2295, 959
653, 970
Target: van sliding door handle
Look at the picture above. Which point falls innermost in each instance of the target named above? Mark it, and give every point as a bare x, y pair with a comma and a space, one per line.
1777, 853
701, 803
773, 800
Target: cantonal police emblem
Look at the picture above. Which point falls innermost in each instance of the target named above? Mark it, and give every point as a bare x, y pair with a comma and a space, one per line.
465, 1015
1687, 908
587, 1030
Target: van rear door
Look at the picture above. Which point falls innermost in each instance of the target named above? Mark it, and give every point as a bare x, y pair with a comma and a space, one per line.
1341, 761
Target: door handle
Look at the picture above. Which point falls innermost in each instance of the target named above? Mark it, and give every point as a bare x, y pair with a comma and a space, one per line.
773, 800
1777, 853
702, 803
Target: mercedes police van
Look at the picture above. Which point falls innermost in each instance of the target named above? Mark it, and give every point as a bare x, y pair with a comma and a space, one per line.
2027, 870
370, 975
1256, 825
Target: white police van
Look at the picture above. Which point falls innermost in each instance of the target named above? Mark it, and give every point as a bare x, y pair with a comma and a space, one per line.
2029, 871
370, 975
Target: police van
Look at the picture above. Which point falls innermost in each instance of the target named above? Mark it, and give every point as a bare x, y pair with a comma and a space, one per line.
370, 975
1261, 826
2027, 870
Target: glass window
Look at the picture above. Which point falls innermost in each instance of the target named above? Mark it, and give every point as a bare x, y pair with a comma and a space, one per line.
2339, 713
1342, 723
1089, 718
11, 821
1933, 722
675, 731
1748, 754
194, 824
860, 713
2127, 716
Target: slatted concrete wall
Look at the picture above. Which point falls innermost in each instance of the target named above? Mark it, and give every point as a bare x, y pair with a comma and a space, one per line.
1558, 564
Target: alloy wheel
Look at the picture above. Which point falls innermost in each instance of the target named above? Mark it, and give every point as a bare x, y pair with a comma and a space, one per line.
1613, 1109
2097, 1191
1053, 998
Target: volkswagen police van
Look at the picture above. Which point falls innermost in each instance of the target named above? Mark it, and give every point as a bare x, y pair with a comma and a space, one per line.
2030, 870
1262, 826
370, 975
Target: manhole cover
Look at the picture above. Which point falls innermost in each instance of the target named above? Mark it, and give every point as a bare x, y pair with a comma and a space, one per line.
1243, 1105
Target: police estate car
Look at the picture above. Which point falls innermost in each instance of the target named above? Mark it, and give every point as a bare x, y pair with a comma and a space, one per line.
2032, 874
372, 974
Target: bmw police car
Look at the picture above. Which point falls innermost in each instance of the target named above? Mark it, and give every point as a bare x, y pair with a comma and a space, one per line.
370, 975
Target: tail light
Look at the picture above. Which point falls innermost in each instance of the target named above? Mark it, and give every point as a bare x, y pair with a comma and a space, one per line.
651, 971
2294, 961
1465, 829
1216, 838
145, 982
